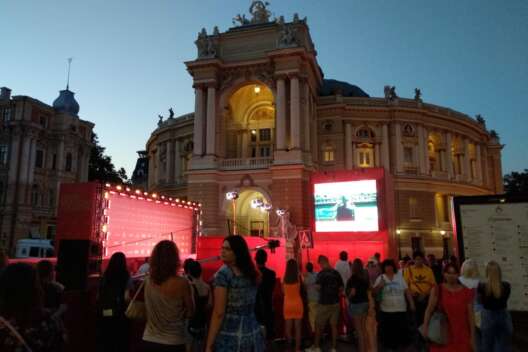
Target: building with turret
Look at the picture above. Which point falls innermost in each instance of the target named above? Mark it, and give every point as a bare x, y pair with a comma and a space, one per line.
266, 119
41, 146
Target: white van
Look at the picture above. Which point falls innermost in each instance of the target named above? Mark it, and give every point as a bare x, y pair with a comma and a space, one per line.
34, 248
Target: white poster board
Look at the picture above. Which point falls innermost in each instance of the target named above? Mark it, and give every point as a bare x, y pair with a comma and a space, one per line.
499, 232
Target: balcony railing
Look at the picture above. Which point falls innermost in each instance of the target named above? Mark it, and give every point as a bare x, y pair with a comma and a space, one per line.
246, 163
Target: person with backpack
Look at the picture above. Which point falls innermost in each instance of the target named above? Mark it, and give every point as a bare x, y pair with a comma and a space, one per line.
330, 290
113, 326
203, 301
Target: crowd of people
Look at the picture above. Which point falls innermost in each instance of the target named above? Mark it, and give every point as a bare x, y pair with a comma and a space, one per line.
382, 305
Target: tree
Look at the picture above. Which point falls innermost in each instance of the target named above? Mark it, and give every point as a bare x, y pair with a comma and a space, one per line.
101, 167
516, 183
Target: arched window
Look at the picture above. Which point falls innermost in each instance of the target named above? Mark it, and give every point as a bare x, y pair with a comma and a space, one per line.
365, 155
328, 153
365, 132
69, 161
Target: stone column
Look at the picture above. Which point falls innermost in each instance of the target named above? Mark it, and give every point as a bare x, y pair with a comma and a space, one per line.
485, 174
377, 159
306, 116
420, 157
385, 156
13, 163
466, 162
211, 121
295, 118
398, 147
199, 122
426, 151
449, 156
478, 166
281, 115
245, 143
25, 159
170, 161
349, 164
354, 156
177, 161
157, 171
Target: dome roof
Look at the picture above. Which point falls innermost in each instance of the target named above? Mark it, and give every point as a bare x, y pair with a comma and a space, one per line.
332, 87
66, 103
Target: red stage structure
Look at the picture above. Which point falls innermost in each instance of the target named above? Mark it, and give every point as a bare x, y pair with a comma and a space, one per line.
118, 218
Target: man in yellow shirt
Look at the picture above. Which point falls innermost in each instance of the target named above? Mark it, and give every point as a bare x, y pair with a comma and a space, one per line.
420, 280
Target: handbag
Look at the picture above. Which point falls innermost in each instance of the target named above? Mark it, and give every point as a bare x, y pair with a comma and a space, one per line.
137, 310
438, 330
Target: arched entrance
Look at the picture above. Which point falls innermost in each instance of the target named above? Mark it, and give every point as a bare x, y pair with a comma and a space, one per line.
250, 220
250, 123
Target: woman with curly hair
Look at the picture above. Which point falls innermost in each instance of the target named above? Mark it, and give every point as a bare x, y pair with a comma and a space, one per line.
168, 300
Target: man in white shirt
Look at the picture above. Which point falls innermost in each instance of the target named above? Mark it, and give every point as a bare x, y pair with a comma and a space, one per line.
343, 267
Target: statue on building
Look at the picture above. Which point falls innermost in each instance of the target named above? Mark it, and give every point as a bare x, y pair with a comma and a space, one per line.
160, 122
390, 93
417, 94
259, 12
241, 19
480, 120
216, 31
206, 45
171, 113
287, 36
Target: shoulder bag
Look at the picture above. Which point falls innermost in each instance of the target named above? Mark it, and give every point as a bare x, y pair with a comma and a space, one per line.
137, 310
438, 332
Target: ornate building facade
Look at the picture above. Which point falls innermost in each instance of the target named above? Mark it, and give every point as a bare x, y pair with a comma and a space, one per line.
265, 119
41, 146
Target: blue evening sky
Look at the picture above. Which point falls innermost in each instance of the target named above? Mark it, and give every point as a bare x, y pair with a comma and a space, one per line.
471, 56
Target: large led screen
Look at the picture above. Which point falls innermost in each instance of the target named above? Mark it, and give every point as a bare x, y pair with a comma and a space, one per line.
346, 206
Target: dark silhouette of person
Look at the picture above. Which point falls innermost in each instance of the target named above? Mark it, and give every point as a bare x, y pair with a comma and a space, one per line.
343, 212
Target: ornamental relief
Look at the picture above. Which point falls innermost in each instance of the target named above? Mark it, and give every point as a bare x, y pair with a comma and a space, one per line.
262, 73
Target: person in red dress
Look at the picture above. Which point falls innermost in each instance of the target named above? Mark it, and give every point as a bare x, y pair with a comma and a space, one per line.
456, 301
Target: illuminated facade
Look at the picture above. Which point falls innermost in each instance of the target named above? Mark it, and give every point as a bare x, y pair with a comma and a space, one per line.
265, 119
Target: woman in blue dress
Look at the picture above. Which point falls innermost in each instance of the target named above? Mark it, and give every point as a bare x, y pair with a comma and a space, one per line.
234, 327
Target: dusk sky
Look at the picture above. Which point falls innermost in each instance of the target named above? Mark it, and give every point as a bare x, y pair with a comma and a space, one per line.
128, 57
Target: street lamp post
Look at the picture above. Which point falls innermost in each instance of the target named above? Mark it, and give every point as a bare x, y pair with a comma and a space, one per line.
233, 196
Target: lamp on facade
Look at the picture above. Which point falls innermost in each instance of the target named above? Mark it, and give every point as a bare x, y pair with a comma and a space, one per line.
442, 233
256, 89
233, 196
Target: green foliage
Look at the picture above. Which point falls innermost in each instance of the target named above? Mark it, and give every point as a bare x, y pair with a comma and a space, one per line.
516, 183
101, 167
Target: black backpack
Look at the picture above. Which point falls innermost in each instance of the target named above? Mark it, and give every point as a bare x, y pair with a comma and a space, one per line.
111, 299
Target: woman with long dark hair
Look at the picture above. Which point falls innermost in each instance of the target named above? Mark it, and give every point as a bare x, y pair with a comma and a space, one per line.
356, 291
293, 303
234, 327
168, 300
496, 324
21, 310
456, 301
113, 327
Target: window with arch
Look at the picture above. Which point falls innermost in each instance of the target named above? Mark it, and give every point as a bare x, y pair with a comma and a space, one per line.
365, 132
69, 162
365, 155
328, 153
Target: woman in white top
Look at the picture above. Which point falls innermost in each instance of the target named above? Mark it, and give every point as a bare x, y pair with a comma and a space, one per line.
168, 300
393, 319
